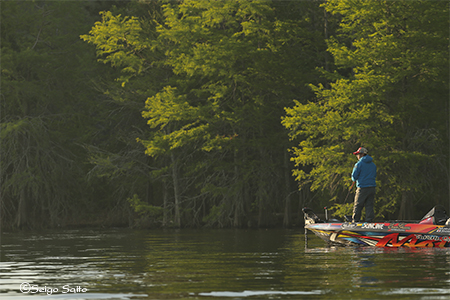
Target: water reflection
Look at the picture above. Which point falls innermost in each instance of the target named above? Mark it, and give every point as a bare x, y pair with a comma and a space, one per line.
211, 264
257, 293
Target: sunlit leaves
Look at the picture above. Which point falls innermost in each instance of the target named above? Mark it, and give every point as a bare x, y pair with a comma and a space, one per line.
120, 42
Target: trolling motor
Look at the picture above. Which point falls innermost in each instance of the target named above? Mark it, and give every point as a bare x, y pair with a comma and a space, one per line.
310, 216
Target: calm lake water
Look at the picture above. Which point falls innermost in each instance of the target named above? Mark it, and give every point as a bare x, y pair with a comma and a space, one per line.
212, 264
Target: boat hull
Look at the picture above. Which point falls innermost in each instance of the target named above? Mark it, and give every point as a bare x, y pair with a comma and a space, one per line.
413, 235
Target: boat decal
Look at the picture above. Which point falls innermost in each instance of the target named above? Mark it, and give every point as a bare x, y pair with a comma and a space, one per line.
398, 227
428, 237
412, 240
350, 225
379, 239
442, 230
376, 226
370, 242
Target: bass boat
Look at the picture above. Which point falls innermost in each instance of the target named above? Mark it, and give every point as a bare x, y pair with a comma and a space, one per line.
433, 230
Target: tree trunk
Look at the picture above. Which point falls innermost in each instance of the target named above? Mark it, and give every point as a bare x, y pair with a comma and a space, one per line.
261, 219
405, 212
237, 217
176, 190
22, 210
325, 30
165, 204
303, 195
239, 197
287, 186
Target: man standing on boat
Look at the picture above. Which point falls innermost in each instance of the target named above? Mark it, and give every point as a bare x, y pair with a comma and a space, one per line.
364, 173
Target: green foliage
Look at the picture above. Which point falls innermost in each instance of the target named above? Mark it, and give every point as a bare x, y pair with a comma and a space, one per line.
143, 208
214, 120
44, 111
118, 163
178, 122
119, 43
385, 105
215, 216
223, 55
342, 210
148, 215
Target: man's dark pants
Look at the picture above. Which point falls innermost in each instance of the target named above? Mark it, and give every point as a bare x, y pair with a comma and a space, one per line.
364, 197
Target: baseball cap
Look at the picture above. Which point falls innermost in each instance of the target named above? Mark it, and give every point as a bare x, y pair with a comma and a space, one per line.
361, 150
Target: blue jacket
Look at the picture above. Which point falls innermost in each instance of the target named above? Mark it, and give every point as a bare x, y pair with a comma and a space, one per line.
364, 172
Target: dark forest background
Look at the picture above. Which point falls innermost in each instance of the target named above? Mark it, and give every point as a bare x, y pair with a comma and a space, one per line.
219, 113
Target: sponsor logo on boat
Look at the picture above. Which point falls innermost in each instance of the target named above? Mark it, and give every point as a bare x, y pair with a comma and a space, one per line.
428, 237
372, 226
350, 225
443, 230
398, 227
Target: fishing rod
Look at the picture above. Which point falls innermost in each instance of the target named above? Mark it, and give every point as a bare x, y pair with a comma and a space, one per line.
345, 201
